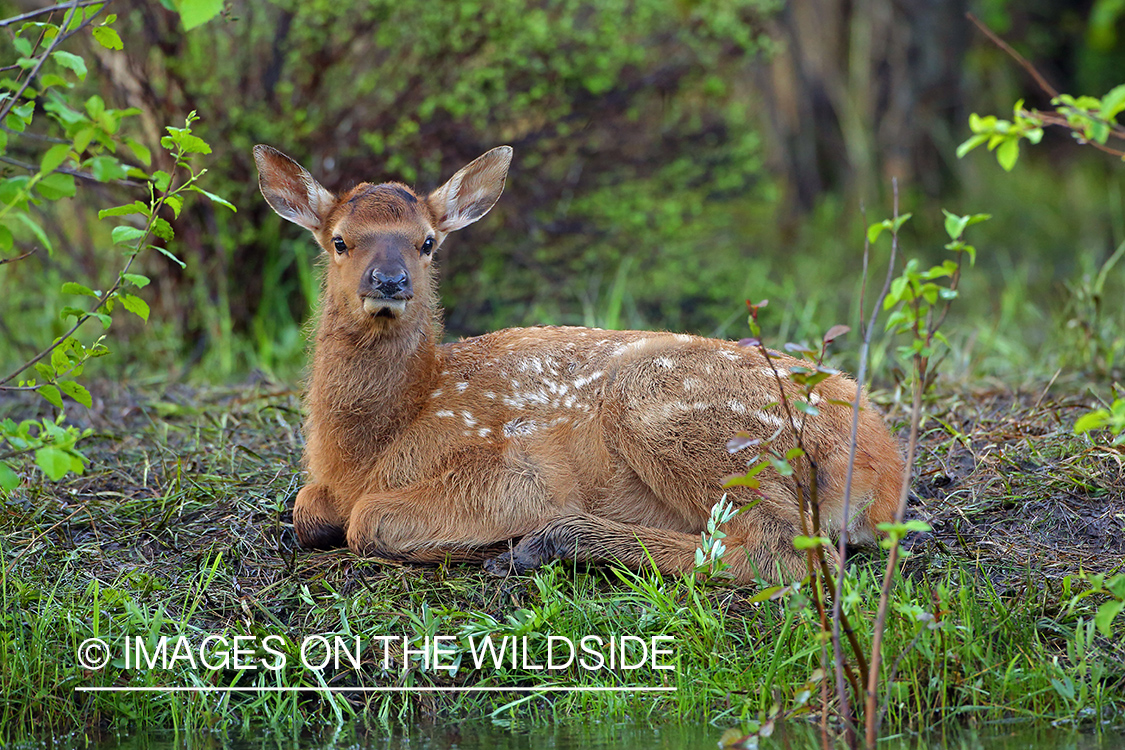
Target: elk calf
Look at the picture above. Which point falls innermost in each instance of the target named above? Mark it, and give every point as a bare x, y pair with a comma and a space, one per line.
573, 442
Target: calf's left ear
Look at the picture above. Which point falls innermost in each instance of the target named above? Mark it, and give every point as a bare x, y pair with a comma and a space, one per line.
472, 192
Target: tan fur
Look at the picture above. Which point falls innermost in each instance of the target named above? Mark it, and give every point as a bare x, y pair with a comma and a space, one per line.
580, 443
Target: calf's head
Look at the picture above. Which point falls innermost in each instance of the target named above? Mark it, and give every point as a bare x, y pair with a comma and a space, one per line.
380, 239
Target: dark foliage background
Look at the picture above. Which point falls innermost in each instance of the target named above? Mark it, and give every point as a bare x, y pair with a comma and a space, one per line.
673, 158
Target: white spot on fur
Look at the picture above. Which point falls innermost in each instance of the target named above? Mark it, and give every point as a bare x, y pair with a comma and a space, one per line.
445, 413
737, 407
462, 386
729, 355
664, 362
771, 419
814, 398
484, 432
469, 421
436, 393
683, 338
692, 384
490, 395
586, 380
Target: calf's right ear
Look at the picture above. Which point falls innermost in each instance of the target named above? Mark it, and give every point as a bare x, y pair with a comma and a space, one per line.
290, 190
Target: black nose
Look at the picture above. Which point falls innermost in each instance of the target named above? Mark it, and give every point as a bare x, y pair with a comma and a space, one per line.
389, 284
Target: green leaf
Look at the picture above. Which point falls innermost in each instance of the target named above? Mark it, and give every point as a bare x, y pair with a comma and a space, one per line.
135, 305
1094, 420
781, 466
107, 37
1113, 102
970, 144
8, 478
71, 62
54, 462
136, 207
811, 542
169, 255
181, 139
215, 199
56, 186
107, 168
162, 229
1008, 153
123, 234
161, 179
174, 202
1106, 614
741, 480
140, 151
136, 279
71, 287
51, 393
806, 408
36, 230
54, 158
77, 392
954, 224
197, 12
875, 230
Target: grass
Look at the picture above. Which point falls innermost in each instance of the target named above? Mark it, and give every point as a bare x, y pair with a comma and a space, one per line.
182, 528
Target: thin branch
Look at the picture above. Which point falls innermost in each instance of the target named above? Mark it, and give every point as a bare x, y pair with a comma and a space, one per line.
58, 39
1050, 118
33, 136
28, 254
72, 172
870, 714
1053, 118
49, 9
1015, 55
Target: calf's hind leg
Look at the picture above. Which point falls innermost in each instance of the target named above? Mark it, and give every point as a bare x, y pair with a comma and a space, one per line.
756, 548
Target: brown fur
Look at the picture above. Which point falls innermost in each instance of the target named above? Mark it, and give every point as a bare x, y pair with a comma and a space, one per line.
580, 443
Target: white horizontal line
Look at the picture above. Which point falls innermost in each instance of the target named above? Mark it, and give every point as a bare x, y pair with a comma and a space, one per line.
362, 689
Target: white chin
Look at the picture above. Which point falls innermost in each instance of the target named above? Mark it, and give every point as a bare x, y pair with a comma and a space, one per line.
393, 307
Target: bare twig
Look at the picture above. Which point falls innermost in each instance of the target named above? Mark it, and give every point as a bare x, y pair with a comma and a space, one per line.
28, 254
1015, 55
865, 346
870, 714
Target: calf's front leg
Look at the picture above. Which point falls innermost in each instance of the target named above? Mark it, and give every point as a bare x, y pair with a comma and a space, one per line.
317, 519
484, 498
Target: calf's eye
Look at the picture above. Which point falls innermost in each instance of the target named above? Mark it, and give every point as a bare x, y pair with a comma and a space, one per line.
428, 246
341, 248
